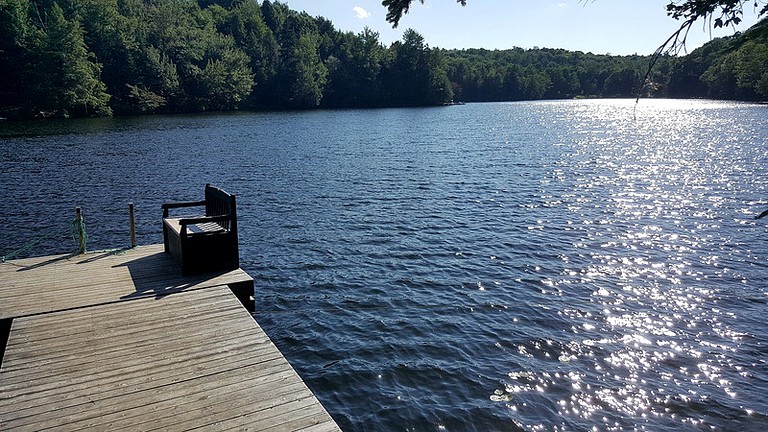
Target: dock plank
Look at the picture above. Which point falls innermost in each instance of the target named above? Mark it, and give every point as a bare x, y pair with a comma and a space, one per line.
42, 285
118, 340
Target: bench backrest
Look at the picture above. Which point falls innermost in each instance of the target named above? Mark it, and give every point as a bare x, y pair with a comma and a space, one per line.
219, 203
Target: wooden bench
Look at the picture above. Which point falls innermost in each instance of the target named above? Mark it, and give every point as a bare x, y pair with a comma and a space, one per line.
204, 243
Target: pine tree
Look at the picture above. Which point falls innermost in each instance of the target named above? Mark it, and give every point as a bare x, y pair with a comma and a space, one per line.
63, 78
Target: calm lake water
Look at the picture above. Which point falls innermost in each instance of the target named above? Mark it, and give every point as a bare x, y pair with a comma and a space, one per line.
562, 265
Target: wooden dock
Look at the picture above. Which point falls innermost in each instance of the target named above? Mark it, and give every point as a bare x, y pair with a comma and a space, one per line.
120, 341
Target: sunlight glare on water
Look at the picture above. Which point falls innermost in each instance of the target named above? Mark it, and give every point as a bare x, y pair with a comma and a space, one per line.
648, 193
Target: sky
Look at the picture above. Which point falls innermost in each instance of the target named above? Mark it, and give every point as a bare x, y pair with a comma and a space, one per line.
618, 27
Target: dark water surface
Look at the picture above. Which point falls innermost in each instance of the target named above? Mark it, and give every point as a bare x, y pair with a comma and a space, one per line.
543, 266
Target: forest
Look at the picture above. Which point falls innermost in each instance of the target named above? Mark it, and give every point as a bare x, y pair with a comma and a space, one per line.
67, 58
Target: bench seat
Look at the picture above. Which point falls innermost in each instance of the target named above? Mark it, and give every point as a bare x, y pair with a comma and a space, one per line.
204, 243
198, 228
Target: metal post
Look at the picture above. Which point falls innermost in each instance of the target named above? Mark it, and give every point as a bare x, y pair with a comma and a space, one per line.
133, 225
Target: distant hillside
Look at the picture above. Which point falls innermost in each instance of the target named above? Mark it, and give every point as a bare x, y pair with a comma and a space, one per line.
734, 67
519, 74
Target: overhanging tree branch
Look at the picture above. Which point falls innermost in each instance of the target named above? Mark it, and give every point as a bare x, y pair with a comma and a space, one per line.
397, 8
731, 12
690, 11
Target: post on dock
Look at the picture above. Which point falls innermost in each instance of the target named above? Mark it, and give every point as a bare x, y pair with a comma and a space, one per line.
5, 332
133, 225
80, 228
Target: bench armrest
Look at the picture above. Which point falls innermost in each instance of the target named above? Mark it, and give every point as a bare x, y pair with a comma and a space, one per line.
168, 206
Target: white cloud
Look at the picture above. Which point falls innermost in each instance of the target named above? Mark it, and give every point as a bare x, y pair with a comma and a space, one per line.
361, 13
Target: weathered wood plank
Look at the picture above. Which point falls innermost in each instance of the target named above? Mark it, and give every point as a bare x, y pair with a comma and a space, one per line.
288, 416
120, 341
193, 409
129, 409
137, 380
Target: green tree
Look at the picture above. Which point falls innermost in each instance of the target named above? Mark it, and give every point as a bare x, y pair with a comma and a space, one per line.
305, 74
439, 89
63, 76
563, 82
245, 23
354, 67
720, 79
113, 39
14, 30
416, 75
159, 74
224, 81
274, 15
685, 78
623, 82
536, 86
212, 72
368, 60
301, 75
751, 69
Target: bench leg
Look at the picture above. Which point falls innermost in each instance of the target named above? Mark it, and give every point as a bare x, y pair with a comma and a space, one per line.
165, 239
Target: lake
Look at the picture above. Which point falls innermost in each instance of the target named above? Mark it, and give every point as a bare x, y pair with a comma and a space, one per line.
557, 265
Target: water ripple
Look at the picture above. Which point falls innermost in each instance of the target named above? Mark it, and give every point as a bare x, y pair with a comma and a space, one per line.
548, 266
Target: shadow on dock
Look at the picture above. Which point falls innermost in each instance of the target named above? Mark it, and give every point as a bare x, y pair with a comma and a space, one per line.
48, 262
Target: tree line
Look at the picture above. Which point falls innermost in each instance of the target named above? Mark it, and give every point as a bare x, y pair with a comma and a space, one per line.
519, 74
734, 67
99, 57
96, 57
